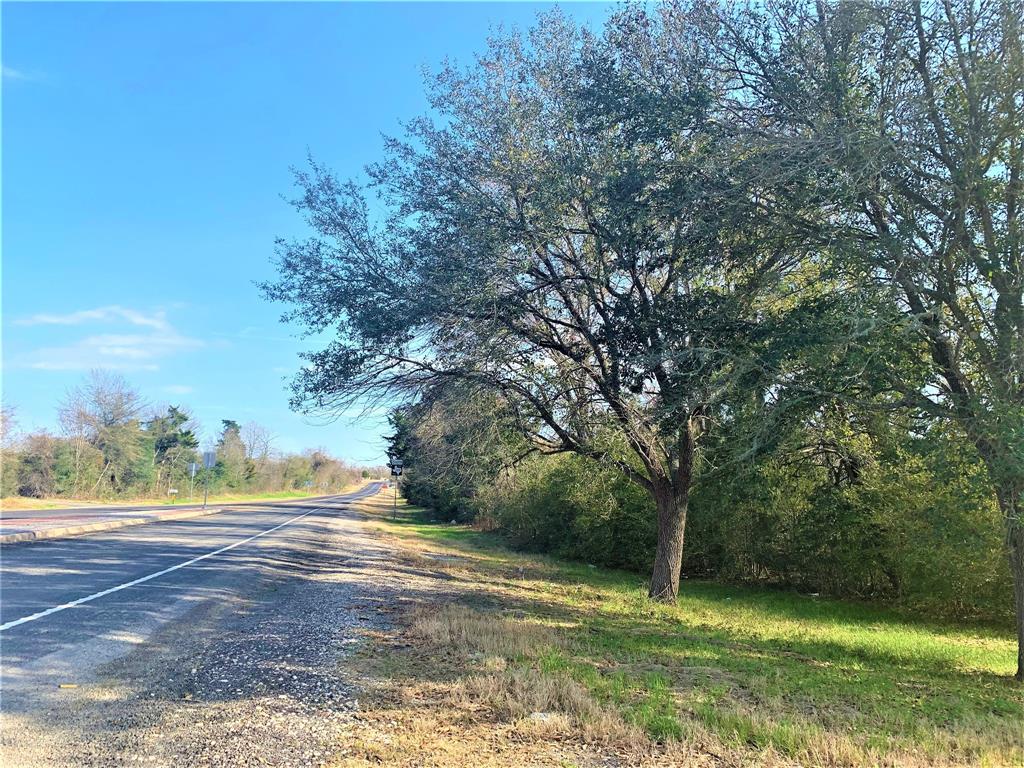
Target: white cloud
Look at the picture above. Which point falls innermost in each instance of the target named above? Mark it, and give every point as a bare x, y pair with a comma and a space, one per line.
178, 389
10, 73
126, 350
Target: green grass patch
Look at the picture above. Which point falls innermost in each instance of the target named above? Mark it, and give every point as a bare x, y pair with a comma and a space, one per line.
763, 669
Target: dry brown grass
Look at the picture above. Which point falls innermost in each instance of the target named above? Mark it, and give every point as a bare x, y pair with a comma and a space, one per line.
449, 688
408, 738
537, 703
547, 706
465, 630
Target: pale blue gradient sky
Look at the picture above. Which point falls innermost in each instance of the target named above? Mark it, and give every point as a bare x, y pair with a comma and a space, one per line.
145, 149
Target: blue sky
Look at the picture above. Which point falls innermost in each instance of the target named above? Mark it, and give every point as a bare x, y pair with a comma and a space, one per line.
145, 151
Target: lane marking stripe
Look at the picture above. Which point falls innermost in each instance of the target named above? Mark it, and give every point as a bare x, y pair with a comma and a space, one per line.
118, 588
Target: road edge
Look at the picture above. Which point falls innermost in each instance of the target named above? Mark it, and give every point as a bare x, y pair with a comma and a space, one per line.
78, 530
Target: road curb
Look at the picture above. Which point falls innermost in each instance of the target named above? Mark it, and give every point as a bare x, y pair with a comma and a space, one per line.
108, 525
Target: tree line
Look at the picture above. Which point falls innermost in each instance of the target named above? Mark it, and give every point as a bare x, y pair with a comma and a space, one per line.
111, 445
742, 266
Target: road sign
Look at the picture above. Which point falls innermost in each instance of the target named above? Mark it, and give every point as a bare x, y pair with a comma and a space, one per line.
172, 491
209, 459
396, 471
192, 467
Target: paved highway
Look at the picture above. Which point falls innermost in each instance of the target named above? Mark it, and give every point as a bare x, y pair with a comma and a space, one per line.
58, 592
73, 610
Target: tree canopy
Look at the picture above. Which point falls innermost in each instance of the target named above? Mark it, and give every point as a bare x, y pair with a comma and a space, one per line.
705, 221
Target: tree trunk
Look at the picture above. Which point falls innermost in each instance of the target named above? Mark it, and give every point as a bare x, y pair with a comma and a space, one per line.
668, 558
1015, 539
1015, 549
1011, 502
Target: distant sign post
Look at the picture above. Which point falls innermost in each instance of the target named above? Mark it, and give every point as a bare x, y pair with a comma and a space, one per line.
396, 472
209, 459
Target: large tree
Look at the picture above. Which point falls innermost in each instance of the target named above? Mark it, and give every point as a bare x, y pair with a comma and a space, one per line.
914, 113
577, 232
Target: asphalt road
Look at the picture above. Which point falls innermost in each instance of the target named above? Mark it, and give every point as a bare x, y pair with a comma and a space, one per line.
207, 641
41, 577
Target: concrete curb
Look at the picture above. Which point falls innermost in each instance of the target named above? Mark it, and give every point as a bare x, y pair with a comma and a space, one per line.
106, 525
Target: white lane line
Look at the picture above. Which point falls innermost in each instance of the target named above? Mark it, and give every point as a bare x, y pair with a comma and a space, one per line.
118, 588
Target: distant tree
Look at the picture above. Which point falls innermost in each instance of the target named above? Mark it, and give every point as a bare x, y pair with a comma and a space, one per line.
35, 470
9, 457
9, 431
108, 447
231, 455
258, 446
455, 439
103, 412
174, 442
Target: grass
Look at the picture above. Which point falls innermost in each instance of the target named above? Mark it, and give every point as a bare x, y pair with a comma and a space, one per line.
756, 676
23, 502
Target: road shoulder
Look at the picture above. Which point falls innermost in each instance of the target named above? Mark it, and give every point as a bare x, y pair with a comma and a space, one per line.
41, 531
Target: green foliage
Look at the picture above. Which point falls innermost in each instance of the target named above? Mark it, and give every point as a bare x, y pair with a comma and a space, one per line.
576, 508
108, 451
10, 463
764, 259
845, 504
231, 468
35, 467
454, 442
918, 525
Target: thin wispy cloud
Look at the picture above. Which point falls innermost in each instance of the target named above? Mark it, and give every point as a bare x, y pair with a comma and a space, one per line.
125, 348
112, 312
10, 73
178, 389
